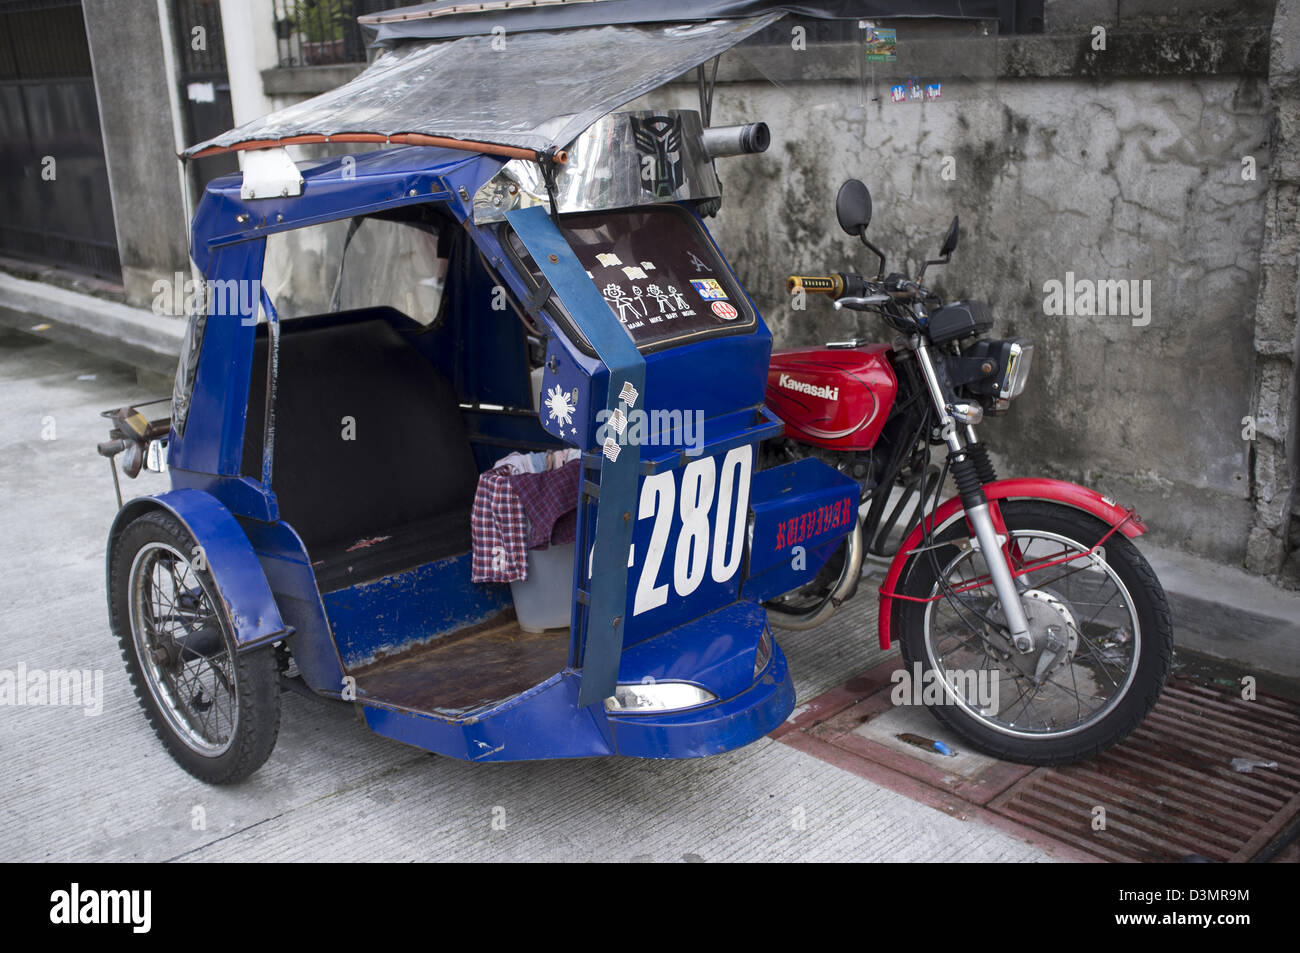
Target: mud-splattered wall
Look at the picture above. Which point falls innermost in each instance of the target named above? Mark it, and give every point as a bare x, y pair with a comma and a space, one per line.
1121, 176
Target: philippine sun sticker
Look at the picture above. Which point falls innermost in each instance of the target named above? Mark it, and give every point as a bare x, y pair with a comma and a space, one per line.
561, 405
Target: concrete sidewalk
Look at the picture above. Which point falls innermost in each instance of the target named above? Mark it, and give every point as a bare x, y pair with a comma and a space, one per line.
97, 325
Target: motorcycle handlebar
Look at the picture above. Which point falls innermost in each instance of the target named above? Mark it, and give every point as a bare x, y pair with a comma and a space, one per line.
834, 285
831, 285
859, 302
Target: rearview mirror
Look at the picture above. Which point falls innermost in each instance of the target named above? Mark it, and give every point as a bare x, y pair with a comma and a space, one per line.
950, 242
945, 253
853, 207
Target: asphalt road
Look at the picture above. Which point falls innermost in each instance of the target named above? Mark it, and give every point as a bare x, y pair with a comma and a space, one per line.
99, 786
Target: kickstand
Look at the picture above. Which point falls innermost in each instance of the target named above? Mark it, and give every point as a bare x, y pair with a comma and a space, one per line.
117, 487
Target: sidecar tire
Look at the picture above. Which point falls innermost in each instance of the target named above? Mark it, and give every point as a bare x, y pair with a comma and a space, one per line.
256, 681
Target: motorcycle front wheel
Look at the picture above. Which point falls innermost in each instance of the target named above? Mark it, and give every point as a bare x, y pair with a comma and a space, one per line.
1103, 640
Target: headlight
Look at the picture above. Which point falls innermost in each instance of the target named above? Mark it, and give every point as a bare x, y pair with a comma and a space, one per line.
657, 696
1016, 371
997, 369
764, 653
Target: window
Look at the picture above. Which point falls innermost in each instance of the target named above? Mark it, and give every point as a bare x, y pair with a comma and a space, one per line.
657, 271
362, 263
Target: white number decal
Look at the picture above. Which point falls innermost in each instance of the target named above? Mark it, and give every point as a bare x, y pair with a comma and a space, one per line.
693, 542
648, 595
741, 461
693, 556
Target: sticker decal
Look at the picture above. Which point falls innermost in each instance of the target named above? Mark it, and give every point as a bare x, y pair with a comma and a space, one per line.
659, 140
616, 296
881, 44
609, 259
709, 289
725, 311
561, 405
628, 394
633, 272
659, 296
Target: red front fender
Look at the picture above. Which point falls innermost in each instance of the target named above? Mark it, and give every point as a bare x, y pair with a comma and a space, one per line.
1033, 488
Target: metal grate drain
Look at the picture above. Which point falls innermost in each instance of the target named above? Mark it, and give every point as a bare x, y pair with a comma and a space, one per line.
1170, 792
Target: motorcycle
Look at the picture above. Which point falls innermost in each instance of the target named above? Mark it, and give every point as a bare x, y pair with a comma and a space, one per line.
1033, 585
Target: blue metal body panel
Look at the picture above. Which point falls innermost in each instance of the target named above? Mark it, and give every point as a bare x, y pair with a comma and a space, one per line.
715, 652
802, 512
707, 628
238, 577
336, 188
804, 503
411, 608
711, 729
623, 366
544, 722
288, 572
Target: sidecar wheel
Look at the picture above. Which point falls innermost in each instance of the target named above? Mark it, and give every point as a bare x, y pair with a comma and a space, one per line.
215, 710
1106, 614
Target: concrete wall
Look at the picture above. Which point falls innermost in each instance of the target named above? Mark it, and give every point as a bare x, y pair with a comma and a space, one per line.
139, 117
250, 45
1127, 179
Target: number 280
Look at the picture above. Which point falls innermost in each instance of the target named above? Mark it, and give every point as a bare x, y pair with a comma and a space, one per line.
702, 481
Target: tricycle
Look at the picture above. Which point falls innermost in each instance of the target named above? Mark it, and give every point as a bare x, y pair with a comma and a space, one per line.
551, 505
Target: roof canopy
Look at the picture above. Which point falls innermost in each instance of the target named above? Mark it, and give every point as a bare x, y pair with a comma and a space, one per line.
446, 79
536, 94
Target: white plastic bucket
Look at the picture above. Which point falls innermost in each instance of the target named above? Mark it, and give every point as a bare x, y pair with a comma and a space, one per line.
545, 599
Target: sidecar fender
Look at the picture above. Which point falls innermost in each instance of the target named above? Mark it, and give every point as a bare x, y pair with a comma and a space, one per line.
1034, 488
233, 566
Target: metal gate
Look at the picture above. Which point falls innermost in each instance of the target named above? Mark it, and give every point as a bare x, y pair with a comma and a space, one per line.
53, 177
205, 85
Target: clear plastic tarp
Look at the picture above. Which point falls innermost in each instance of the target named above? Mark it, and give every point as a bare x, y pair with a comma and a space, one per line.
536, 91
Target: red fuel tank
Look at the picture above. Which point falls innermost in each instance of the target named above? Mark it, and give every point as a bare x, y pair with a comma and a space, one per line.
837, 398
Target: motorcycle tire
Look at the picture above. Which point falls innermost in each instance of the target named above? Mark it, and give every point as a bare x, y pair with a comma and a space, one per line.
1086, 653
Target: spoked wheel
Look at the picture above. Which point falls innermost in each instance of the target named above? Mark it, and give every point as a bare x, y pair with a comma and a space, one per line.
815, 602
216, 711
1100, 624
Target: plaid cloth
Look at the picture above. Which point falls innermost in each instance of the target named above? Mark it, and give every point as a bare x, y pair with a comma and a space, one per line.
550, 501
498, 530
